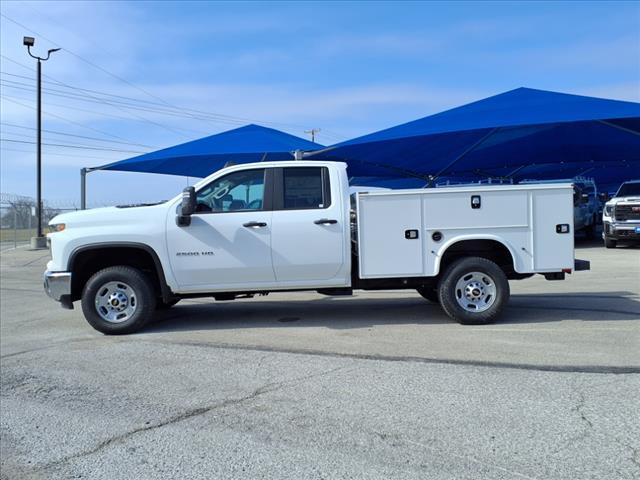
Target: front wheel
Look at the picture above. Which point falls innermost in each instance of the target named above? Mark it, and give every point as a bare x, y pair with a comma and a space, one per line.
610, 243
118, 300
473, 291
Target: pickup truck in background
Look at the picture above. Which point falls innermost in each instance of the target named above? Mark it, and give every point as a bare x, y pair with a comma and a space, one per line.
257, 228
621, 215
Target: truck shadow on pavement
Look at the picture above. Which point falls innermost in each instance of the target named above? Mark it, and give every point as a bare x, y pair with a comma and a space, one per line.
357, 313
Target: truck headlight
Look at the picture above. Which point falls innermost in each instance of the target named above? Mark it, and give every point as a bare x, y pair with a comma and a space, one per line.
57, 227
608, 210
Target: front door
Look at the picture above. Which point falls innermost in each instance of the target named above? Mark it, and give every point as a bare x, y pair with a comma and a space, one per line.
228, 244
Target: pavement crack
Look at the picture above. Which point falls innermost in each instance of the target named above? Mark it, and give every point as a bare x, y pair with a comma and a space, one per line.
579, 408
194, 412
587, 424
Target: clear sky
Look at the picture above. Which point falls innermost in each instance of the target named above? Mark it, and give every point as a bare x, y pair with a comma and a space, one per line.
348, 68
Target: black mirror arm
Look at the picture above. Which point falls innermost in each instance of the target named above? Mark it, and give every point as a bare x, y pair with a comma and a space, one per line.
183, 220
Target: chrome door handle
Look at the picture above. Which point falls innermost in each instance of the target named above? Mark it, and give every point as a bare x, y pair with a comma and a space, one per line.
254, 224
325, 221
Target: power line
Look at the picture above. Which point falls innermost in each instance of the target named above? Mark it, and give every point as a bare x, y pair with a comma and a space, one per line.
81, 147
77, 136
89, 62
140, 117
65, 119
187, 112
78, 109
89, 99
56, 154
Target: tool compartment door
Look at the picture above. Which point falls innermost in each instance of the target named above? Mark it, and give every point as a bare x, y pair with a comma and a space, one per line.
386, 228
553, 249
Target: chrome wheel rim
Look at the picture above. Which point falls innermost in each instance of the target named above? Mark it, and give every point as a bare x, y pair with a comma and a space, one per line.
475, 292
116, 302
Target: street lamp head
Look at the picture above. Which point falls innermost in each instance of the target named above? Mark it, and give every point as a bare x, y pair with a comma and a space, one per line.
28, 41
52, 50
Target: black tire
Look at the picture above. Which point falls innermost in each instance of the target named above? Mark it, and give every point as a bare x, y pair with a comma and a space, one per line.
429, 293
610, 243
142, 289
457, 272
160, 305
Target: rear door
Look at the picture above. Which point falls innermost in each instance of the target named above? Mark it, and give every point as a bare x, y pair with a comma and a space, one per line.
308, 228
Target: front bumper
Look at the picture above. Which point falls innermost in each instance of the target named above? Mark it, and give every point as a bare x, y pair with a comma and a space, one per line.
58, 286
621, 231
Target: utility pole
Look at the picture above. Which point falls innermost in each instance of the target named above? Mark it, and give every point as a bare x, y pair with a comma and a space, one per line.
313, 132
39, 241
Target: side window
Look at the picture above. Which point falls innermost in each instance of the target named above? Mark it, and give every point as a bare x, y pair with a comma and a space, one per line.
238, 191
306, 188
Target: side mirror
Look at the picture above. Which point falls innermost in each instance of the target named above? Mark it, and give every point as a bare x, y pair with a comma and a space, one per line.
187, 208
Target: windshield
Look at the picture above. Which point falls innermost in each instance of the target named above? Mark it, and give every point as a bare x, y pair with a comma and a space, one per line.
628, 189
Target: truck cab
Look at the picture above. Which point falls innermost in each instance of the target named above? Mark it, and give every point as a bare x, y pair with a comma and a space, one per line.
253, 229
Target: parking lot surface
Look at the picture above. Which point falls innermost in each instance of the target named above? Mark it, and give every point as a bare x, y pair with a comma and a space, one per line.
298, 385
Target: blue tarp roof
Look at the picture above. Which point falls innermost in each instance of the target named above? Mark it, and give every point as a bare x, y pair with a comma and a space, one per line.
520, 134
199, 158
523, 133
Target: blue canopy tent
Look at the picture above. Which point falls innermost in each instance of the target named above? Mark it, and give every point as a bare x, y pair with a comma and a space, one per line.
200, 158
516, 135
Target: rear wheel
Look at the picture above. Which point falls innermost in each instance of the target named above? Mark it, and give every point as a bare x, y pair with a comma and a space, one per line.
118, 300
610, 243
473, 291
429, 293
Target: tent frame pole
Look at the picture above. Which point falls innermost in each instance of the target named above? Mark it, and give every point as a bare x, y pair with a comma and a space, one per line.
83, 185
83, 189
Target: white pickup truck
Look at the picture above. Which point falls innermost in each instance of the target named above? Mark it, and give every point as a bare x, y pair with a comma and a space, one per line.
284, 226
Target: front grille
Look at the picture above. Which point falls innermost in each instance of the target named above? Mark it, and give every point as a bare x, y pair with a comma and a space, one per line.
627, 233
627, 212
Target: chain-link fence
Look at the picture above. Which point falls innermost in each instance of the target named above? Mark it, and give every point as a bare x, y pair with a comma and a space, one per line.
18, 221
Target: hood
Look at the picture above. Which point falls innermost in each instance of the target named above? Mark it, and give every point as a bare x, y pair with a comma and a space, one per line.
629, 199
108, 215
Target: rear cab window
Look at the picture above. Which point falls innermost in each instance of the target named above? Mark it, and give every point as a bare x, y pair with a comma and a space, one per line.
305, 188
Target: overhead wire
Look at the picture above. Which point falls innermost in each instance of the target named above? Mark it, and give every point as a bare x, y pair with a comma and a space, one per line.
55, 132
81, 147
327, 134
64, 119
7, 149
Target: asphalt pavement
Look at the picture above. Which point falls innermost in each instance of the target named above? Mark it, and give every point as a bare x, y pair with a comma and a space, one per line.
298, 385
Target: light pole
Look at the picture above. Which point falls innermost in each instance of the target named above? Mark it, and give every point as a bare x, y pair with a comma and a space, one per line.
39, 241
